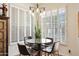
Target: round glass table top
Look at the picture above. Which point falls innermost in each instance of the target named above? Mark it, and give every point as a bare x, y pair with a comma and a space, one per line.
40, 41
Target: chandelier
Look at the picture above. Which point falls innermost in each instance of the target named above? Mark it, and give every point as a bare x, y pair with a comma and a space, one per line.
37, 9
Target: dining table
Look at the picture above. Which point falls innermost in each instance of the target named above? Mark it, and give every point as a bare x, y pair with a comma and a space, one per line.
38, 45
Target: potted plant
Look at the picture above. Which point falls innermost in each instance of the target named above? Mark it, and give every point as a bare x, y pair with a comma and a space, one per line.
37, 32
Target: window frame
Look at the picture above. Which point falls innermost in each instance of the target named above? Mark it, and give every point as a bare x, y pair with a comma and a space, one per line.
25, 13
65, 24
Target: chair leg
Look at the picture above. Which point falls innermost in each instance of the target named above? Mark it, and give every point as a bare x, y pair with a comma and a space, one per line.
51, 54
19, 54
48, 54
56, 53
43, 53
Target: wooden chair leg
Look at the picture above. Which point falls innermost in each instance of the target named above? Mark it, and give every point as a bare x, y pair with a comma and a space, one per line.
46, 54
51, 54
56, 53
19, 54
43, 53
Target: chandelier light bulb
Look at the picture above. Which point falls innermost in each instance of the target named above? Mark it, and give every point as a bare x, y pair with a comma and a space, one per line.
37, 9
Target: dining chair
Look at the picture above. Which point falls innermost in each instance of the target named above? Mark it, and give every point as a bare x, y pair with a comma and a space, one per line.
51, 49
48, 50
26, 38
25, 42
26, 51
47, 44
50, 39
29, 37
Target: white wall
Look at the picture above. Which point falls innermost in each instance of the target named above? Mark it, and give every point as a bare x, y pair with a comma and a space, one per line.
73, 41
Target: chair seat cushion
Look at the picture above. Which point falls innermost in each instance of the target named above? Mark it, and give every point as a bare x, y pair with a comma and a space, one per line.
48, 49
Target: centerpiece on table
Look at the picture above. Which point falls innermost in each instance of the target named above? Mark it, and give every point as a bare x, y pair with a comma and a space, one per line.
37, 33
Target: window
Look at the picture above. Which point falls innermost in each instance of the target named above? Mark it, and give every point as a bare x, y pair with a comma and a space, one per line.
53, 24
61, 18
21, 24
46, 24
18, 19
30, 25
